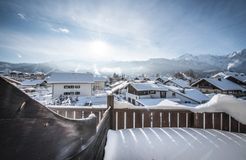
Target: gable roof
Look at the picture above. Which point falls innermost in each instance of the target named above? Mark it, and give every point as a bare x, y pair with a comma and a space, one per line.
179, 82
99, 78
148, 86
239, 76
190, 93
222, 84
28, 82
196, 95
71, 78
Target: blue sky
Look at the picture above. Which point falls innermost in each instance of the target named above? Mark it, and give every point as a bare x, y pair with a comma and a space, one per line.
98, 30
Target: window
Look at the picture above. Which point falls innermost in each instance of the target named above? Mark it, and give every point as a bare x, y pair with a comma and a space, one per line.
173, 94
77, 93
151, 92
70, 86
71, 93
66, 93
77, 86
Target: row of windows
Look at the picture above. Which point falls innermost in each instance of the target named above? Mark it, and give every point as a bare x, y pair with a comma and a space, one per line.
71, 93
71, 86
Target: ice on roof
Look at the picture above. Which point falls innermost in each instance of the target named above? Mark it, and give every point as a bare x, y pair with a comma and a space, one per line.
148, 86
71, 78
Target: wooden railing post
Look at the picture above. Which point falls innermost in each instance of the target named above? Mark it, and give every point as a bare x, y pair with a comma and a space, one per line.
110, 103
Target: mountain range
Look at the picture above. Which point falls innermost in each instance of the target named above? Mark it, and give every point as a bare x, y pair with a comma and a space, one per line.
235, 61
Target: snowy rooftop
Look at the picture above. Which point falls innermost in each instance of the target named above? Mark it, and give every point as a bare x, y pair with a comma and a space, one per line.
196, 95
71, 78
148, 86
100, 78
223, 84
121, 85
239, 76
174, 143
193, 93
162, 102
28, 82
179, 82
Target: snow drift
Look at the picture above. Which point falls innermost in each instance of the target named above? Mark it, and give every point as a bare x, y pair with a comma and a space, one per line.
174, 143
225, 103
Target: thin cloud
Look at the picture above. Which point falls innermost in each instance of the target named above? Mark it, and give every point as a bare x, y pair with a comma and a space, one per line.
60, 30
22, 16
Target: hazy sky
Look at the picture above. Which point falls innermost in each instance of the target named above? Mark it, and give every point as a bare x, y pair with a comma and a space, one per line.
50, 30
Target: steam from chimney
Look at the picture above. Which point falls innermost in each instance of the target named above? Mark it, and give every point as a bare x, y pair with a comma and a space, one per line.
233, 65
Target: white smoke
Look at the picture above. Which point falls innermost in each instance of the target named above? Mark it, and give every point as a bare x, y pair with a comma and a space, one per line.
233, 65
96, 72
77, 68
111, 70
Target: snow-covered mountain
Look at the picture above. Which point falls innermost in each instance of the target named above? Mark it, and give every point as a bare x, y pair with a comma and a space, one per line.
235, 61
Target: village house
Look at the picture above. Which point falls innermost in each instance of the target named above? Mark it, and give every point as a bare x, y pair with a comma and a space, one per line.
33, 83
137, 91
219, 85
177, 83
71, 84
161, 79
238, 78
99, 83
140, 93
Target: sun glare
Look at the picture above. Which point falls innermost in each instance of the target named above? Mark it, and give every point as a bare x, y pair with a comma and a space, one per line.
99, 48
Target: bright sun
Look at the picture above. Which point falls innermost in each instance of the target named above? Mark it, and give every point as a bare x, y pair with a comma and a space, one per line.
99, 48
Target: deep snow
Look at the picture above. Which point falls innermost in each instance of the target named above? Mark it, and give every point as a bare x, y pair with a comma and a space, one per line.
174, 143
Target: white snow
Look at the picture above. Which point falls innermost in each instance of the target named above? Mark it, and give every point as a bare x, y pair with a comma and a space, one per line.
190, 93
219, 103
225, 103
78, 107
196, 95
179, 82
148, 86
120, 85
28, 82
223, 84
71, 78
174, 143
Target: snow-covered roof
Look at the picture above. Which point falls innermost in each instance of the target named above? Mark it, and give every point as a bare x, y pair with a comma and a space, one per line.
164, 79
122, 85
99, 78
190, 93
148, 86
239, 76
71, 78
196, 95
223, 84
219, 75
179, 82
28, 82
